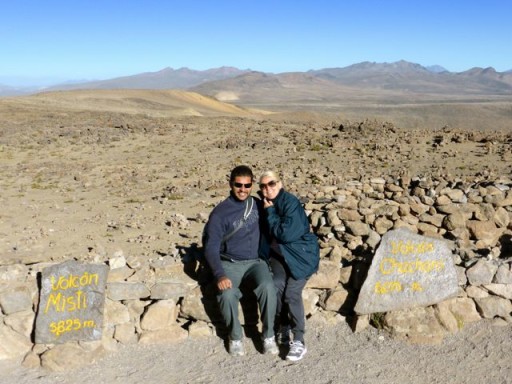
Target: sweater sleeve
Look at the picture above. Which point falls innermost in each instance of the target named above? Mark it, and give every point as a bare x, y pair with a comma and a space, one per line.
214, 233
286, 226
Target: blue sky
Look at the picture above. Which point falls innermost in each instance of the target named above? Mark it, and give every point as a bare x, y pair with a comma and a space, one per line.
99, 39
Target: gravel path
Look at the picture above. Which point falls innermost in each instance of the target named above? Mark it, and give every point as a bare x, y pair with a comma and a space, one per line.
479, 353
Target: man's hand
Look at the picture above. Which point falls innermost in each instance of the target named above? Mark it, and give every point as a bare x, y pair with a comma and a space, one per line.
224, 283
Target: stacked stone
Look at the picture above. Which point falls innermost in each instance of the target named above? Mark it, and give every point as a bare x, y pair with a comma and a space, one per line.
474, 217
149, 301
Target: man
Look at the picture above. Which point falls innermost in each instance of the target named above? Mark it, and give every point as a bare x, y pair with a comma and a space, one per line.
233, 235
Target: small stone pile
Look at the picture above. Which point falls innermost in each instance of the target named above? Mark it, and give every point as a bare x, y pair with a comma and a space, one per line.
162, 301
474, 217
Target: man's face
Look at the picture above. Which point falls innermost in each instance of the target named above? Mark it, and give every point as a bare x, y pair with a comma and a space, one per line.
241, 187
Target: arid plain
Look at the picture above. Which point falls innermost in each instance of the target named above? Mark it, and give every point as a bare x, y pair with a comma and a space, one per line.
88, 174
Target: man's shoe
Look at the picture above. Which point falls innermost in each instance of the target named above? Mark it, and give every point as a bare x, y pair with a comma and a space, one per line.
297, 351
283, 336
270, 346
236, 348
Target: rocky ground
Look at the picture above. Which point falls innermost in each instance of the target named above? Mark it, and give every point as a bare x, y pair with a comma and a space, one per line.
86, 185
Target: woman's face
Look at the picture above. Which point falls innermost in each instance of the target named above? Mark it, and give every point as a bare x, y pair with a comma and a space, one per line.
269, 187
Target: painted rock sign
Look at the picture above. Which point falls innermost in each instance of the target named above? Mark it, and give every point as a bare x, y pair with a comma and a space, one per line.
71, 303
408, 270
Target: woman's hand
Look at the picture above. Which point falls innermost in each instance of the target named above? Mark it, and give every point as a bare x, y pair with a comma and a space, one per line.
267, 203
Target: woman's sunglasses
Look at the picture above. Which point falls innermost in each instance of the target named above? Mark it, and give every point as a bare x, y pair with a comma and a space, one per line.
270, 184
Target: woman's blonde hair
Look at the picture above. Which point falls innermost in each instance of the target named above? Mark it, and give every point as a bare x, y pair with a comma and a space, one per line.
270, 174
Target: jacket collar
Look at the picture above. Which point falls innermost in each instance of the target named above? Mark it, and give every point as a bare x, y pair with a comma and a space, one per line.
279, 195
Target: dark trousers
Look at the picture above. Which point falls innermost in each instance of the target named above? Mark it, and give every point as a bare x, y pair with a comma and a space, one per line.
290, 307
256, 274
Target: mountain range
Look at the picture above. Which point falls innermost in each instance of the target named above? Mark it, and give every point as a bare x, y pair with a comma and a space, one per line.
395, 82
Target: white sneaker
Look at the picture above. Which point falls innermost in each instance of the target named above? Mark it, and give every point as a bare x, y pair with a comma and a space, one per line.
270, 346
236, 348
297, 351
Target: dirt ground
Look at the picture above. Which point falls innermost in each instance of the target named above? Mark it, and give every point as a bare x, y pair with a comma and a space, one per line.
478, 354
86, 181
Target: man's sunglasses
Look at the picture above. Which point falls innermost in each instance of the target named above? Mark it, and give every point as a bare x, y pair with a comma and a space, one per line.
270, 184
240, 185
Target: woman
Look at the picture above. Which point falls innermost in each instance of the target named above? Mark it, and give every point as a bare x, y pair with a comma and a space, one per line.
293, 253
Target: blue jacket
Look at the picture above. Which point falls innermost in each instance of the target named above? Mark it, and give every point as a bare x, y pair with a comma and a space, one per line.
243, 245
288, 224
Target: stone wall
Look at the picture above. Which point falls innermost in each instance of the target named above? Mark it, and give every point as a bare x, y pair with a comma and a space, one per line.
161, 301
